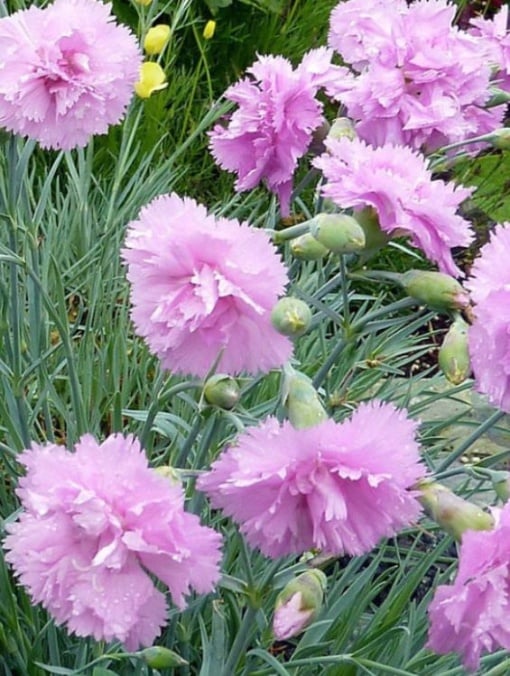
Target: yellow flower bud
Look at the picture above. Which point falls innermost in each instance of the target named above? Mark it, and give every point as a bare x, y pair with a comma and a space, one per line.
156, 39
145, 3
152, 79
209, 29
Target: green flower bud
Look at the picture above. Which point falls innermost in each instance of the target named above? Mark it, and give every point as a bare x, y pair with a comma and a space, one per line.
375, 238
452, 513
435, 289
299, 603
158, 657
307, 248
500, 138
222, 390
498, 97
342, 127
339, 233
453, 354
291, 317
501, 484
304, 408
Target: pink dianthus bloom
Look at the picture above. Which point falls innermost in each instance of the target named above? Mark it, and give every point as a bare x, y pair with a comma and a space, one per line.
273, 125
201, 286
335, 487
423, 82
396, 182
364, 30
472, 615
489, 335
66, 72
94, 524
494, 36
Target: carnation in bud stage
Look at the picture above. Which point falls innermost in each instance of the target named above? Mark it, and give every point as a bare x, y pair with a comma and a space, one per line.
307, 248
291, 317
222, 390
436, 290
298, 604
339, 233
451, 512
453, 356
302, 403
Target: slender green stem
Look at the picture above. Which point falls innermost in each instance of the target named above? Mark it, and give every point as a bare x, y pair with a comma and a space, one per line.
241, 641
490, 422
345, 293
330, 361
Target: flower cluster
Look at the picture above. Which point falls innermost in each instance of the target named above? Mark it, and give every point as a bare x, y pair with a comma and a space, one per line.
94, 523
272, 127
335, 487
471, 616
66, 72
419, 80
396, 182
489, 336
203, 288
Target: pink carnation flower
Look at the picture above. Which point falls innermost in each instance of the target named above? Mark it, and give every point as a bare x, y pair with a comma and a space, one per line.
66, 72
472, 615
335, 487
489, 336
396, 182
423, 82
201, 286
366, 30
494, 37
273, 125
94, 523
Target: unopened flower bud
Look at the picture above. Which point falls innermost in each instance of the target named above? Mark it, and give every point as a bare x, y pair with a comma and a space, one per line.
501, 484
156, 39
304, 408
375, 238
209, 29
435, 289
222, 391
499, 138
453, 354
145, 3
299, 603
339, 233
152, 79
452, 513
307, 248
158, 657
291, 317
342, 127
498, 97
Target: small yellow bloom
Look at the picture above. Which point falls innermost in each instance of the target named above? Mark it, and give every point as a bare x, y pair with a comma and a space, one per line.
152, 79
209, 29
145, 3
156, 39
